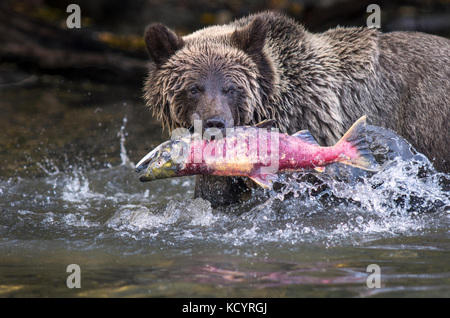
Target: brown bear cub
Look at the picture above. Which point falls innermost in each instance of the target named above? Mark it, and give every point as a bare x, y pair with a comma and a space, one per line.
268, 66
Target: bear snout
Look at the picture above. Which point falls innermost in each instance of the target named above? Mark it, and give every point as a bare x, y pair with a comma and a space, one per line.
215, 122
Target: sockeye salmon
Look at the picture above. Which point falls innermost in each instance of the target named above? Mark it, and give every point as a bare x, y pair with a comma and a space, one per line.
256, 152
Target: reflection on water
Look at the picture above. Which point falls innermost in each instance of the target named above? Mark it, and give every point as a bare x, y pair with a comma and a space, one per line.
69, 195
61, 124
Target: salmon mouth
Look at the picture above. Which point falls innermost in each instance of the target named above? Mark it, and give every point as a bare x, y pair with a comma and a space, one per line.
152, 173
150, 176
144, 162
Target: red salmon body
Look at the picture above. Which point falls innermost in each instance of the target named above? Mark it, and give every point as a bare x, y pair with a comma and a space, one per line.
255, 152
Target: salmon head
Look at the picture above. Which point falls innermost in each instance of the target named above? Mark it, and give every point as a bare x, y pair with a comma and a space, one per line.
166, 160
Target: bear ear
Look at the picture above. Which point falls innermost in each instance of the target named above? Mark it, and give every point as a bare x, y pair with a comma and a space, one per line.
161, 42
251, 38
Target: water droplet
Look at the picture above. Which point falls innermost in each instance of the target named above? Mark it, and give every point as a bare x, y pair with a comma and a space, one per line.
359, 219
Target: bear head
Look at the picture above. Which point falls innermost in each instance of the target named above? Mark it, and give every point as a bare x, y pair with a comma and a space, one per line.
219, 76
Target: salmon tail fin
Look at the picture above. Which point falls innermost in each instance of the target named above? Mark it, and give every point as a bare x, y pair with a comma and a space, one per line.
355, 148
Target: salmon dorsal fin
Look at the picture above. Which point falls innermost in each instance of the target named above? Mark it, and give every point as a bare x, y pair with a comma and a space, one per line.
265, 180
268, 123
306, 136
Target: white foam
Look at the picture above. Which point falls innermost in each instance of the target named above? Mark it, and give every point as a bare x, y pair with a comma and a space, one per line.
195, 212
394, 202
76, 189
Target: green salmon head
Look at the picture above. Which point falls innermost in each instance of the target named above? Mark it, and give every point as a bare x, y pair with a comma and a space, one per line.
165, 161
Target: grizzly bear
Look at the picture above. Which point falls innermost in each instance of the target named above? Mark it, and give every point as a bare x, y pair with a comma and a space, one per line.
268, 66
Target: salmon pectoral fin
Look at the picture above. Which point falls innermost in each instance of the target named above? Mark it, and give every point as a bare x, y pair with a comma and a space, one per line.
265, 180
319, 169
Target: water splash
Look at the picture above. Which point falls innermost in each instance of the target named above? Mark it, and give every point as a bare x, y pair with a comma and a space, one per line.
76, 188
125, 160
408, 197
192, 212
49, 167
404, 187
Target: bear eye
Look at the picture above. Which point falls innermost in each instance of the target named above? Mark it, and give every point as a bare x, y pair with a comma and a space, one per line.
194, 90
230, 90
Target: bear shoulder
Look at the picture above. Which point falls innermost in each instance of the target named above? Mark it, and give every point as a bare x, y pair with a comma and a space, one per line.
356, 48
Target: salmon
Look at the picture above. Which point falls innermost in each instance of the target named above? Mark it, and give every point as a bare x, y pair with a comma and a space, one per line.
258, 152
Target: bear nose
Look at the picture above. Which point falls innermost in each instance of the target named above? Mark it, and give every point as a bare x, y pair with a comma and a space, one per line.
215, 122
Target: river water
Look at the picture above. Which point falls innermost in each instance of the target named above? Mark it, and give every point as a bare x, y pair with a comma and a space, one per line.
69, 195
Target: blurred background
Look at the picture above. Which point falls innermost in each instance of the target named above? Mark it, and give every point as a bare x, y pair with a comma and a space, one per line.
109, 45
66, 95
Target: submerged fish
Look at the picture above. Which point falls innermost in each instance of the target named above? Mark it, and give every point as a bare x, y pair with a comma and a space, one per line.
256, 152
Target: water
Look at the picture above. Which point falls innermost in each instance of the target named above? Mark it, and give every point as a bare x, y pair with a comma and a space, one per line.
69, 195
